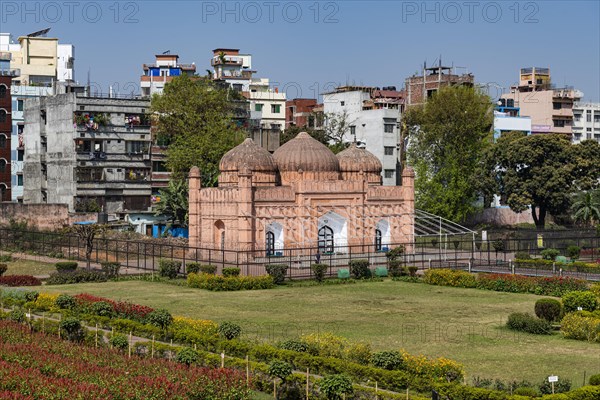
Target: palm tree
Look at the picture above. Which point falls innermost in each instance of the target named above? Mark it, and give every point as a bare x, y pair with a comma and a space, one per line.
586, 208
174, 201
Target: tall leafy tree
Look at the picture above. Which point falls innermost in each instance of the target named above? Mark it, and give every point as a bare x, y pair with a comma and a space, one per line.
447, 138
535, 171
174, 201
196, 117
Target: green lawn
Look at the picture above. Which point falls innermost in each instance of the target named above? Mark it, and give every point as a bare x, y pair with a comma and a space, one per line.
29, 267
462, 324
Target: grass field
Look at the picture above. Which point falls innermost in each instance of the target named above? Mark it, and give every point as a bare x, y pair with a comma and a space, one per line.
29, 267
462, 324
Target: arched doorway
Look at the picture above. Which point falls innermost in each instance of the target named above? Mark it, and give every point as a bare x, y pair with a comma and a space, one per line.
270, 244
326, 240
219, 237
382, 235
274, 239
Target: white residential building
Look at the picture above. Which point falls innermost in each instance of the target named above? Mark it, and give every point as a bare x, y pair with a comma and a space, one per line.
373, 117
165, 68
586, 122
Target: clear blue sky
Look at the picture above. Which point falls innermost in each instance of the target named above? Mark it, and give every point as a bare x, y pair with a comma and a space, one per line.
309, 46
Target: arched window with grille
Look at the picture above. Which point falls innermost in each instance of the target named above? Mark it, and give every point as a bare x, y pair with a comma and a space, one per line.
326, 240
270, 243
378, 237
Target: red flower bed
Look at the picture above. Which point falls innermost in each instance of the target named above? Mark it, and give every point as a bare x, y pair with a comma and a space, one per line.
122, 309
40, 366
19, 280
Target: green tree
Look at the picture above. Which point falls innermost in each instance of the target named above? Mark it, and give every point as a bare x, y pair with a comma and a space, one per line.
447, 139
292, 131
534, 171
87, 233
337, 126
586, 207
196, 116
174, 201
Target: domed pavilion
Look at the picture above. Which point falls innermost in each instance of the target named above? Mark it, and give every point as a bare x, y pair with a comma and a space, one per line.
301, 199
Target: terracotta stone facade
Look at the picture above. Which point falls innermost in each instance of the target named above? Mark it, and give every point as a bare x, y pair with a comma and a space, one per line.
303, 196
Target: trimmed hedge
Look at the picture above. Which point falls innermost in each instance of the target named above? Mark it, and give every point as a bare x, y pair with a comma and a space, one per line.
277, 272
169, 268
549, 265
208, 269
528, 323
66, 266
19, 280
231, 272
319, 271
111, 269
77, 276
360, 269
548, 309
574, 300
221, 283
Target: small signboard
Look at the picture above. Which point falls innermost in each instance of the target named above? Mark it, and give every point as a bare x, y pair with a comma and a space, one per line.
553, 379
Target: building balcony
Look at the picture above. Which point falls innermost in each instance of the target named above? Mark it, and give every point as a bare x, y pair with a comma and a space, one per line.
563, 112
108, 129
10, 72
226, 60
100, 156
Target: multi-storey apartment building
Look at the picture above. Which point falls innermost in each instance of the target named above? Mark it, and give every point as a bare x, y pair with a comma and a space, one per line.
550, 108
6, 77
586, 122
41, 67
373, 116
419, 88
91, 153
507, 118
164, 69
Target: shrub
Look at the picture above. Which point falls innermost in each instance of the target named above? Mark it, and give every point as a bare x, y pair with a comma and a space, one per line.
294, 345
334, 387
573, 252
66, 266
280, 369
208, 269
192, 268
187, 356
360, 269
65, 302
169, 268
395, 253
277, 272
72, 328
111, 269
17, 315
389, 360
31, 295
448, 277
579, 326
395, 268
19, 280
3, 268
77, 276
220, 283
562, 386
119, 341
102, 309
4, 258
160, 318
319, 271
550, 254
498, 245
522, 255
229, 330
548, 309
46, 302
412, 270
526, 391
528, 323
358, 352
595, 380
575, 299
231, 272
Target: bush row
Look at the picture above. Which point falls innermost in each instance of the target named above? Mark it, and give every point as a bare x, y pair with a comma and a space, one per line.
76, 276
549, 265
19, 280
549, 286
231, 283
528, 323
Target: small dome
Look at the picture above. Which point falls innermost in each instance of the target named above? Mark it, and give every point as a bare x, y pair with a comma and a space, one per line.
307, 154
250, 154
354, 159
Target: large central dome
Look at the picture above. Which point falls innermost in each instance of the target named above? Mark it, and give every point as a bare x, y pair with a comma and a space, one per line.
309, 156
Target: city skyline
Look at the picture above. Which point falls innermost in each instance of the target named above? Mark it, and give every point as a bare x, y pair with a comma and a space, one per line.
307, 48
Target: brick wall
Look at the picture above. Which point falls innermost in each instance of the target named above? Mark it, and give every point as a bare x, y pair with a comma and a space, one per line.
42, 216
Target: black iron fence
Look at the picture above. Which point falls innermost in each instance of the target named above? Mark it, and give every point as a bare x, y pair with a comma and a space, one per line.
465, 252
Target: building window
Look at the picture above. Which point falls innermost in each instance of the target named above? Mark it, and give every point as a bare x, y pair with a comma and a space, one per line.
388, 128
136, 147
388, 173
258, 107
2, 116
275, 108
326, 240
559, 123
20, 155
588, 116
596, 116
556, 105
3, 91
20, 104
577, 117
2, 141
388, 150
378, 240
270, 244
342, 103
159, 166
353, 130
2, 165
19, 180
238, 87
